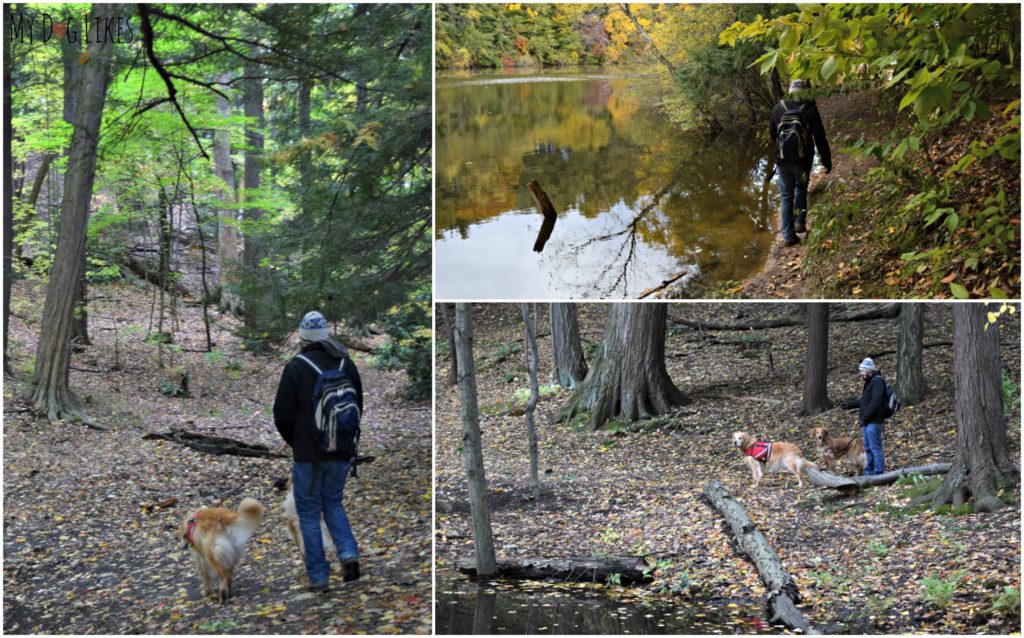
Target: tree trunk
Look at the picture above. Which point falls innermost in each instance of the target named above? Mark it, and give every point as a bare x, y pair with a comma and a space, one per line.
981, 464
253, 157
783, 594
852, 484
483, 542
306, 179
628, 380
816, 371
33, 195
910, 384
49, 388
227, 233
531, 403
448, 328
9, 189
647, 38
570, 365
72, 86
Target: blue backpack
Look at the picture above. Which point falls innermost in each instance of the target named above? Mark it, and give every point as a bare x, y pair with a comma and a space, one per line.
336, 410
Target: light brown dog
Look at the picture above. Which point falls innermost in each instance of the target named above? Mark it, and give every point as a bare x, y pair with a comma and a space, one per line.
292, 516
762, 457
833, 449
217, 538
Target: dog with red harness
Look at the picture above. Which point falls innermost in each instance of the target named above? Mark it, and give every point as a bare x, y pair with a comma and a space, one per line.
768, 456
217, 537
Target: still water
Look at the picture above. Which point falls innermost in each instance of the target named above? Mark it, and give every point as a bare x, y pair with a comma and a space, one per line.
469, 608
638, 200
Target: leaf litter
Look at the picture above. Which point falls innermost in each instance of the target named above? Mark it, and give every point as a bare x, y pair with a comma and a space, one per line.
90, 517
860, 562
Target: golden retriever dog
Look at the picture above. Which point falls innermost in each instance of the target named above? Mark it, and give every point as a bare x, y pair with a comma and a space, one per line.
832, 449
292, 516
762, 457
217, 538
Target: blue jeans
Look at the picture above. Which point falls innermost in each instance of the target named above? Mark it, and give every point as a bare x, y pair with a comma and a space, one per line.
872, 433
793, 182
319, 488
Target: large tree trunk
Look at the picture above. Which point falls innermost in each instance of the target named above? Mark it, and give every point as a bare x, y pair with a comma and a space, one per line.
483, 542
531, 403
570, 365
982, 464
910, 385
628, 380
815, 399
227, 233
72, 87
49, 387
9, 188
256, 310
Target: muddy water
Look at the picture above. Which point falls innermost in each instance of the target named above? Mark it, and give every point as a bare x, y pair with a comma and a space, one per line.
506, 607
637, 200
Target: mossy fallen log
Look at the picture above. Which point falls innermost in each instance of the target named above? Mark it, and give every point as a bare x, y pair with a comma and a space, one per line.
630, 569
783, 594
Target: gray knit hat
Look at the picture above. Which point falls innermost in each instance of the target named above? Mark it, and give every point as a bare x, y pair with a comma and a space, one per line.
799, 85
868, 365
313, 327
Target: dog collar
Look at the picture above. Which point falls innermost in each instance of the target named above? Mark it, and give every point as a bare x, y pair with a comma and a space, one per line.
189, 528
759, 451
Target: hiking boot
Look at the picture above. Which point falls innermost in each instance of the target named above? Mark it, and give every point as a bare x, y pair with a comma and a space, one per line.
791, 241
801, 227
319, 588
351, 570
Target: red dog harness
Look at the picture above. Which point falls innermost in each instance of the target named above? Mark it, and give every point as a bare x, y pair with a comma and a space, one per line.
189, 528
759, 451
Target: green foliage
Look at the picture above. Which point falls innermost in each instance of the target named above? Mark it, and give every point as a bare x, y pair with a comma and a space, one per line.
159, 338
1008, 602
614, 579
878, 548
918, 485
1011, 393
522, 395
408, 346
937, 590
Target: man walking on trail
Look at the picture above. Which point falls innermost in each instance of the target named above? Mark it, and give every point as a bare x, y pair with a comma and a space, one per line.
872, 415
796, 129
318, 476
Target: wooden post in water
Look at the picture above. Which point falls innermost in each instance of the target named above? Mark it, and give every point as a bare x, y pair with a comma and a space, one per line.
541, 198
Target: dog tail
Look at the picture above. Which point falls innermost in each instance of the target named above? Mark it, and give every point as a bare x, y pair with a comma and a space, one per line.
804, 464
250, 512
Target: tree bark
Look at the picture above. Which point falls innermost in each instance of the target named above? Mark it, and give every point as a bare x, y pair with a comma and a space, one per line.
9, 192
483, 542
531, 403
815, 399
981, 464
570, 364
448, 328
253, 157
647, 38
783, 594
72, 87
628, 380
227, 233
910, 383
631, 570
49, 389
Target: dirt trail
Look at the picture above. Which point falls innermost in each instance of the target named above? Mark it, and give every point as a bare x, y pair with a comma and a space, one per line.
86, 549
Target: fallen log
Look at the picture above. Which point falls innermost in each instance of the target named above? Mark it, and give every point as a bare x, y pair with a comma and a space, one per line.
215, 445
783, 594
541, 199
630, 569
853, 484
869, 312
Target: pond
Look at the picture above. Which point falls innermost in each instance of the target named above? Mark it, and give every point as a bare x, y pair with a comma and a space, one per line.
509, 607
638, 200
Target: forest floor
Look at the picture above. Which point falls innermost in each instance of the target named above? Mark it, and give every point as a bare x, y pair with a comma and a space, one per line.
90, 516
784, 274
862, 563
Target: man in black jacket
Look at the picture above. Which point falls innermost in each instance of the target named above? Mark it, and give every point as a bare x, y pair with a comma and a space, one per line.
872, 415
318, 476
798, 116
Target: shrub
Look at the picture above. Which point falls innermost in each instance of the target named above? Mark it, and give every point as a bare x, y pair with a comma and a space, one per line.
408, 344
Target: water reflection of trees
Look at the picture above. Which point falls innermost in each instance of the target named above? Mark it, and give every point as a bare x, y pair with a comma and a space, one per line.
593, 149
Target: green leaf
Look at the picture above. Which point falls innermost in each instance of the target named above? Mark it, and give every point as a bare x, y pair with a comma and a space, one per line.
997, 292
828, 69
958, 291
952, 221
